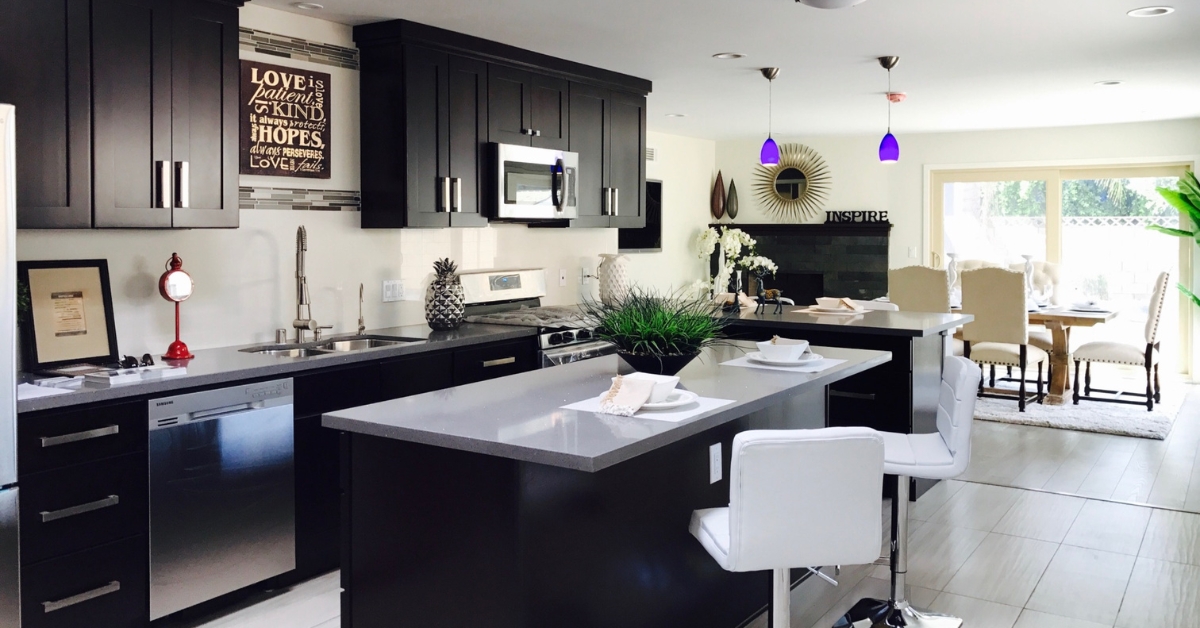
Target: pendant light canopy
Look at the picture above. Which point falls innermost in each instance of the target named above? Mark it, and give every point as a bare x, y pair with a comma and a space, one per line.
889, 148
831, 4
769, 155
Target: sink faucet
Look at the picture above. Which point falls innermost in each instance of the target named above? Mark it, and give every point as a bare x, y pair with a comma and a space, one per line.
362, 324
304, 321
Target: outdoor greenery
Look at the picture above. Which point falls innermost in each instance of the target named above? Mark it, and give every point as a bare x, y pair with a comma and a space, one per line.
1186, 198
1081, 197
644, 322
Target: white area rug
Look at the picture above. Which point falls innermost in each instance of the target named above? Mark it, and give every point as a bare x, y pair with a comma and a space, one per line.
1105, 418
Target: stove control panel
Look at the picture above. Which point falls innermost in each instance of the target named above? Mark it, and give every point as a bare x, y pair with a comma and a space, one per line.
566, 337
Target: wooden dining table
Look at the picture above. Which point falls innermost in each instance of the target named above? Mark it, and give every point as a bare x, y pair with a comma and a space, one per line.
1060, 321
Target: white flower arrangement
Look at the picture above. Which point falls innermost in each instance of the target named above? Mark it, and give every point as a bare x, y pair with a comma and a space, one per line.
758, 265
706, 243
730, 243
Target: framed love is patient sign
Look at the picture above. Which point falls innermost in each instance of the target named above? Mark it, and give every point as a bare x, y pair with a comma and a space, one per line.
68, 316
283, 121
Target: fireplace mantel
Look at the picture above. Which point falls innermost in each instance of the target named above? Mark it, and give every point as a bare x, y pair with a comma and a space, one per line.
812, 229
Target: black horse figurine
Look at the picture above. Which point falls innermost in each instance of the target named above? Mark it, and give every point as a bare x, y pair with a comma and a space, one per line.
766, 297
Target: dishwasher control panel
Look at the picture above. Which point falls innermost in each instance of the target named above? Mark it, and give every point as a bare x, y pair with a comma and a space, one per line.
180, 408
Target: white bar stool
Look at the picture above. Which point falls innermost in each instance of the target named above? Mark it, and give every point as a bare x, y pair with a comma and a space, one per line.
782, 484
939, 456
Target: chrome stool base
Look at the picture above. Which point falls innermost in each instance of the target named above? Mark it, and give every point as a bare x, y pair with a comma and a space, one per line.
869, 613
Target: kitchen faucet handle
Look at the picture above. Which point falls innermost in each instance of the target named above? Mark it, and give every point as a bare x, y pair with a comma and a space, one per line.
317, 331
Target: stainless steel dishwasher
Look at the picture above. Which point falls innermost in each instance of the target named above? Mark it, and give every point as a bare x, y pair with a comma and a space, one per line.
222, 492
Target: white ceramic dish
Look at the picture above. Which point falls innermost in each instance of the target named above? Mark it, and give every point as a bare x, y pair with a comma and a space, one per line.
829, 302
663, 384
804, 359
784, 349
677, 399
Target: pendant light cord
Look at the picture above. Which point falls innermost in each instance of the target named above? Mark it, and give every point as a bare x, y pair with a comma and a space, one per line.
889, 98
771, 106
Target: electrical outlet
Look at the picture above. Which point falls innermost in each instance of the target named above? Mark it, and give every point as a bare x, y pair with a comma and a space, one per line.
393, 290
714, 463
912, 252
562, 277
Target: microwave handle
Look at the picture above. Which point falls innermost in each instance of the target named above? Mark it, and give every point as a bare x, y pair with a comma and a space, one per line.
558, 187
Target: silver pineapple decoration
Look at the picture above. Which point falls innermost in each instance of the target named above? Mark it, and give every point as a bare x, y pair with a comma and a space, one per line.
444, 298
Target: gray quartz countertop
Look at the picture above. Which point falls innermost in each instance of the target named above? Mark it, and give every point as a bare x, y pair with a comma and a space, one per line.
872, 322
521, 416
229, 364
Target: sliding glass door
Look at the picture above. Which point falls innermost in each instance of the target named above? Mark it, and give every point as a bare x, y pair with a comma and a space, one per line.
1090, 221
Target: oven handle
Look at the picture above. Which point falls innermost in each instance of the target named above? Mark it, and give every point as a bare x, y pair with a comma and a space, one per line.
594, 349
558, 191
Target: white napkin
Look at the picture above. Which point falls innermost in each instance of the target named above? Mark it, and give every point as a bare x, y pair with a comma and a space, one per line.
626, 396
780, 340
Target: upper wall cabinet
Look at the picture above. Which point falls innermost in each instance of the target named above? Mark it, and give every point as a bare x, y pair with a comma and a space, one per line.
143, 97
432, 100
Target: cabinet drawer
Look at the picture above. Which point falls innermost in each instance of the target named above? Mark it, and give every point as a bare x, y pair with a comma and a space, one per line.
66, 510
336, 390
104, 587
492, 361
416, 375
48, 441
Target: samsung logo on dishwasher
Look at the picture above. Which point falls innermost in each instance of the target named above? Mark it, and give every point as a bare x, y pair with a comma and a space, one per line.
159, 404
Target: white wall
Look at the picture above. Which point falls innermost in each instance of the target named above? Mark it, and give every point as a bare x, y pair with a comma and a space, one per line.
686, 166
861, 182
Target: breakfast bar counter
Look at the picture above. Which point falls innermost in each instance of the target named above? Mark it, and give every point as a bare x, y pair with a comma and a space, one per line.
491, 505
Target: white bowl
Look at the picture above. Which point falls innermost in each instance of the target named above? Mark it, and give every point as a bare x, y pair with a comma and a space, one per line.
785, 350
829, 302
663, 385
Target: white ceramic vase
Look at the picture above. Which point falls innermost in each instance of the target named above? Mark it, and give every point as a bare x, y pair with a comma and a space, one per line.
1029, 300
613, 275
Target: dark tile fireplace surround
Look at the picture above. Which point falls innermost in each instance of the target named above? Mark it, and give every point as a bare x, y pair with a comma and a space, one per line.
830, 259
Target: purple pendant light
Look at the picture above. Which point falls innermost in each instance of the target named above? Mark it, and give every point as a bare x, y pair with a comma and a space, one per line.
769, 155
889, 148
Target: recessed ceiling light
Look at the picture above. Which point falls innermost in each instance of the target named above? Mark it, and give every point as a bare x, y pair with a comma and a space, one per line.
728, 55
308, 6
1109, 83
1151, 11
676, 115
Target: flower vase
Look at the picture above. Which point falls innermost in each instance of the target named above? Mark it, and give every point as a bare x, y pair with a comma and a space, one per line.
613, 277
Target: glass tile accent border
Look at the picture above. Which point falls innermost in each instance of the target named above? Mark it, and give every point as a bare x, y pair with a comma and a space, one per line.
299, 198
296, 48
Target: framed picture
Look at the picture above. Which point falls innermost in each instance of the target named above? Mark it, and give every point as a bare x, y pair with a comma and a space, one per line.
69, 316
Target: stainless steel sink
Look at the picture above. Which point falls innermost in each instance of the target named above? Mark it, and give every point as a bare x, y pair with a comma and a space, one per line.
362, 343
295, 352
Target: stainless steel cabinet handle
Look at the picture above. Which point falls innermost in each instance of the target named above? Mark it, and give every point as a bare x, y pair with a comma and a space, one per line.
498, 362
58, 605
616, 202
55, 515
456, 200
852, 395
537, 133
181, 184
528, 132
606, 206
52, 441
162, 180
445, 206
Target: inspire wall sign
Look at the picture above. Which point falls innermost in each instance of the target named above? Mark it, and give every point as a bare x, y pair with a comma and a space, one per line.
284, 121
856, 216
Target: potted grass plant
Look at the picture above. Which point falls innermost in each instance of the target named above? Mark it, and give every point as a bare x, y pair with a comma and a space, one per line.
657, 333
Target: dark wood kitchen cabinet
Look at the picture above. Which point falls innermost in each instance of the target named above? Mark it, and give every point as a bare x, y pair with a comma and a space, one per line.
128, 109
424, 116
527, 108
432, 100
608, 131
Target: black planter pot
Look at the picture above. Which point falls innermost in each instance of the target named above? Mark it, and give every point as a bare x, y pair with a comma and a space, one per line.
658, 364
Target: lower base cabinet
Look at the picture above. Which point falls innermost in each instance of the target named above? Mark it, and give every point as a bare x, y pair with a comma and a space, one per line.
102, 587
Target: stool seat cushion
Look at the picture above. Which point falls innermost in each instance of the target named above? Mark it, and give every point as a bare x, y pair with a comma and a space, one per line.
711, 527
1114, 353
917, 455
1005, 354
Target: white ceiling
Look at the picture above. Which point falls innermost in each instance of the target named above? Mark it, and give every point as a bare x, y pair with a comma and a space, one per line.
965, 64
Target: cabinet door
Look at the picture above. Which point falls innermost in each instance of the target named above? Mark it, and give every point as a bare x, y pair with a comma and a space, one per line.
204, 124
382, 109
468, 118
426, 75
131, 108
627, 159
550, 112
45, 72
508, 106
589, 136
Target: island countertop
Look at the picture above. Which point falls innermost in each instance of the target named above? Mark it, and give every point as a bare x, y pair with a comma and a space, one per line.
871, 322
521, 416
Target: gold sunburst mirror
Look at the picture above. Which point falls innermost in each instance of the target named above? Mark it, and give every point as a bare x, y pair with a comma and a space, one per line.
796, 187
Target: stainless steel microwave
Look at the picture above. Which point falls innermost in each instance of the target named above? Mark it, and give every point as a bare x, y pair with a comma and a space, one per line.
535, 183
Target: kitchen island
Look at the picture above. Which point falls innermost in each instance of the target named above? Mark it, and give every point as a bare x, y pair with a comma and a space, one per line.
491, 505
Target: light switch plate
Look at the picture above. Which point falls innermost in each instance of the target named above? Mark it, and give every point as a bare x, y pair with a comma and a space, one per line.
912, 252
393, 290
714, 463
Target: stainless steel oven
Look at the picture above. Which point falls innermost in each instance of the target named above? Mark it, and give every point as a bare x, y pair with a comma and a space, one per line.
535, 183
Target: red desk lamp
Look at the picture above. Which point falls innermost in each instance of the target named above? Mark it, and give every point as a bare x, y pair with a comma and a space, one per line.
176, 285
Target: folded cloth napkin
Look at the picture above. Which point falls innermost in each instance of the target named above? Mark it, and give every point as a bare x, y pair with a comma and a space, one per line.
626, 396
779, 340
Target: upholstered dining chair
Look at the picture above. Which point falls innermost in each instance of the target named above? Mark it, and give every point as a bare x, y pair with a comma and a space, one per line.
919, 289
1120, 353
999, 335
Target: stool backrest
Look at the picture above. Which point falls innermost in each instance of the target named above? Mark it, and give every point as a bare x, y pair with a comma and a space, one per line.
996, 298
956, 408
1156, 306
799, 498
919, 289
